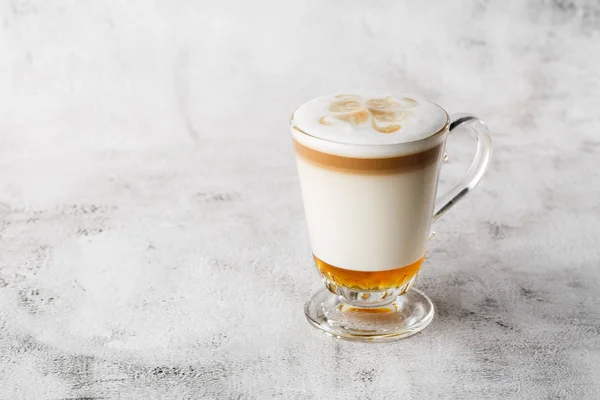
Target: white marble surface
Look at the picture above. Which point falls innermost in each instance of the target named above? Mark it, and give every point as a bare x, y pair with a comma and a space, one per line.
152, 241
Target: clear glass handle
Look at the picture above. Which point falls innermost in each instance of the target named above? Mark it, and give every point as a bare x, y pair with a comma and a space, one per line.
480, 163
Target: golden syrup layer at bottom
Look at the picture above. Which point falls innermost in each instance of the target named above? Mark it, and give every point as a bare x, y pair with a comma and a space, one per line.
369, 280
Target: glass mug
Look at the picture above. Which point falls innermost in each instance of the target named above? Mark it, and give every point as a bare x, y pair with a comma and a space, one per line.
368, 168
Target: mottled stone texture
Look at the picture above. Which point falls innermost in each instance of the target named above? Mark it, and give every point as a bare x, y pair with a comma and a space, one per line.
152, 241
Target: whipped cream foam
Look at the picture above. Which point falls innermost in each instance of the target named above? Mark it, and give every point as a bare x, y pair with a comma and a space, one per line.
368, 124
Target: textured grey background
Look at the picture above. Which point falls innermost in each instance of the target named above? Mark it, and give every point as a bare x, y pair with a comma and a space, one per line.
152, 241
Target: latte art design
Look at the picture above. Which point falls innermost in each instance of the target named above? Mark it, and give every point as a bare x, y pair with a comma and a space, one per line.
372, 120
385, 114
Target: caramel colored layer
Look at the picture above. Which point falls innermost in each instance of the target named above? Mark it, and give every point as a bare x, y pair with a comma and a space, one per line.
369, 165
383, 310
369, 280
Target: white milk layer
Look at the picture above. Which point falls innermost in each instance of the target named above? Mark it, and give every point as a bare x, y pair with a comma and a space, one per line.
368, 222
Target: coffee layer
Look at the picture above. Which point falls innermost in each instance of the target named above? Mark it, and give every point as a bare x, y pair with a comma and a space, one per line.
369, 165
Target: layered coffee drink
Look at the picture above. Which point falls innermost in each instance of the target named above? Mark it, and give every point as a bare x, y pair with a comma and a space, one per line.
368, 167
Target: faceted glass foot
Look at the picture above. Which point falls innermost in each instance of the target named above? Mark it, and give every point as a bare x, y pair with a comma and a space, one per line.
403, 317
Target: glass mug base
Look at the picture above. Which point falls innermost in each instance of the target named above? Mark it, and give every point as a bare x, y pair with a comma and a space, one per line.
404, 316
